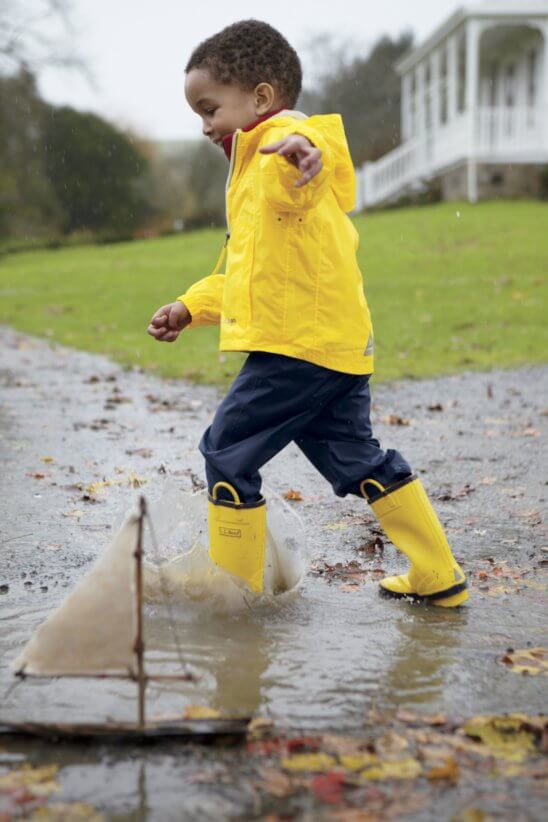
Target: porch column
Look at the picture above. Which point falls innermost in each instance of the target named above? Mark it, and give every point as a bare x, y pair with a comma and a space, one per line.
421, 113
405, 107
544, 84
452, 79
473, 32
435, 89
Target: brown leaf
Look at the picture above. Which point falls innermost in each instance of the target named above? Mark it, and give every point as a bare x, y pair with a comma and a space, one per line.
292, 495
448, 771
437, 406
394, 419
276, 783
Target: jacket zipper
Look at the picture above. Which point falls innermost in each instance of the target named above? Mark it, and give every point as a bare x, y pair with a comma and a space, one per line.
229, 179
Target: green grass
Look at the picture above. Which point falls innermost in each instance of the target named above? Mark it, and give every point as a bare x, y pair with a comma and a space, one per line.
447, 292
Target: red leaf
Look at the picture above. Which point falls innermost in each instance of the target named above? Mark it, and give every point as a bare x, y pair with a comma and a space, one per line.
328, 787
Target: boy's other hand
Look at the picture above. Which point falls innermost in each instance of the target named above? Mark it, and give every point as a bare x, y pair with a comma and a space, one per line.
168, 321
299, 151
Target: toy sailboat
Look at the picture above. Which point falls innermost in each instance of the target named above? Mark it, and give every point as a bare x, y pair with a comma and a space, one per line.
97, 632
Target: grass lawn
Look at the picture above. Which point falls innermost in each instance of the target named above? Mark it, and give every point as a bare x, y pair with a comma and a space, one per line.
451, 287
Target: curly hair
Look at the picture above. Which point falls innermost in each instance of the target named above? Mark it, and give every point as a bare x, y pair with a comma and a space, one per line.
248, 53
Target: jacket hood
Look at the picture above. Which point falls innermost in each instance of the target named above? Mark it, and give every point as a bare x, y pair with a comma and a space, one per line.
330, 129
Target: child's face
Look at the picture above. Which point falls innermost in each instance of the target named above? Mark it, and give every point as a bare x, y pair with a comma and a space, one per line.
224, 107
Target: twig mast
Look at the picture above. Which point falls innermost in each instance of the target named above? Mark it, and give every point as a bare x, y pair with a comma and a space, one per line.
139, 646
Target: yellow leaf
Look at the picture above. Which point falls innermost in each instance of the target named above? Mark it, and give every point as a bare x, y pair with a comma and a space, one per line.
316, 762
505, 736
260, 726
39, 781
530, 661
66, 812
358, 762
46, 459
200, 712
407, 768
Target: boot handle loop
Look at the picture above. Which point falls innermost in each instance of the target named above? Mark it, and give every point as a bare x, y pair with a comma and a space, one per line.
229, 488
377, 485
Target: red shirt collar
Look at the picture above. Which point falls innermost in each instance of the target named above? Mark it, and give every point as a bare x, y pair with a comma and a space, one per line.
227, 139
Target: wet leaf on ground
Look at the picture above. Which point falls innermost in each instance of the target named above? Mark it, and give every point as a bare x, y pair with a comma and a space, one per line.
449, 771
507, 737
313, 762
66, 812
530, 661
293, 495
37, 781
394, 419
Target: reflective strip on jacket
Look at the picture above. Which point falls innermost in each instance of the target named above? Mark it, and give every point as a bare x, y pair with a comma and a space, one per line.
292, 284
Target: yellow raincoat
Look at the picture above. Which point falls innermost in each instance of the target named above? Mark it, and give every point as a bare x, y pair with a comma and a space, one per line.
292, 284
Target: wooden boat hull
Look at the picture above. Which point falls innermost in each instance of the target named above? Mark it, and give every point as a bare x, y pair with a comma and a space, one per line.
203, 731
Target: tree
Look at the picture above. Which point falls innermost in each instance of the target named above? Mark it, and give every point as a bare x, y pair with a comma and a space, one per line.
36, 33
95, 171
28, 204
366, 91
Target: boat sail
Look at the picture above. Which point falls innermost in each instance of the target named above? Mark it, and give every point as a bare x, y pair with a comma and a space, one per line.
78, 637
97, 632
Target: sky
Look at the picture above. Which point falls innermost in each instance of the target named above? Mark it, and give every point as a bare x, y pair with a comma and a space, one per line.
137, 49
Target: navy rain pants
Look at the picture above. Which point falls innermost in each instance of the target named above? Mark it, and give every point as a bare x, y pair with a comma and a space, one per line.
277, 399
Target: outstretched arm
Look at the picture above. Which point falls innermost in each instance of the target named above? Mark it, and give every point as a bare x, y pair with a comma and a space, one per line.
296, 170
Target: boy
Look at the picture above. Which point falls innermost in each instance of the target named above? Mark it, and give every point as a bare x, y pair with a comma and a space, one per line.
292, 297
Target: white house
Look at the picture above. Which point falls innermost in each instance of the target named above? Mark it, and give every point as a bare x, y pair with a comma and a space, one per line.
474, 108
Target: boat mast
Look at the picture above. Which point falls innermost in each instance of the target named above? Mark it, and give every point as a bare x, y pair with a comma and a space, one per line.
139, 646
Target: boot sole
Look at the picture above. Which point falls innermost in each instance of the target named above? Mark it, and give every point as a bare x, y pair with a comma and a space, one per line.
450, 598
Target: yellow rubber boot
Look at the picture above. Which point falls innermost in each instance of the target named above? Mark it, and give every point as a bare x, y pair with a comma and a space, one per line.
409, 521
237, 536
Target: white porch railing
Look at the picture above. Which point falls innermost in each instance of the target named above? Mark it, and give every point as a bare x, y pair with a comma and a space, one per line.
489, 135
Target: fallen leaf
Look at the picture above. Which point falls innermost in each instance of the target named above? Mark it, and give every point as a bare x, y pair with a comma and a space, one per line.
276, 783
505, 736
39, 781
407, 768
66, 812
140, 452
37, 475
293, 495
259, 727
358, 761
329, 787
530, 661
313, 762
394, 419
449, 771
47, 459
437, 406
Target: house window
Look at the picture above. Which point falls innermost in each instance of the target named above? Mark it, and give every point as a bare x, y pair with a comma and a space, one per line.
531, 78
493, 85
461, 78
443, 85
510, 85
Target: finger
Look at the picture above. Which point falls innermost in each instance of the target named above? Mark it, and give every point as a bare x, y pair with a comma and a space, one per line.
174, 319
272, 148
170, 336
159, 319
308, 175
156, 332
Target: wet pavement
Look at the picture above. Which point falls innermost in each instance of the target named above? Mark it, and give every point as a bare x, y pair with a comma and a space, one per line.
330, 656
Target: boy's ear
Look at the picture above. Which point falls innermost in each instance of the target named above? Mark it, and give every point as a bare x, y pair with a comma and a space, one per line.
264, 98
